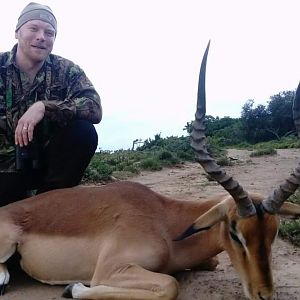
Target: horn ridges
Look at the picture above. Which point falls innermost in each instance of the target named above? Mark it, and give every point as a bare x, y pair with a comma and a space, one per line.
244, 204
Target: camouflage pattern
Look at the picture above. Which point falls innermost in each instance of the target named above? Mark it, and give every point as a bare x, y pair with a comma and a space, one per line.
62, 86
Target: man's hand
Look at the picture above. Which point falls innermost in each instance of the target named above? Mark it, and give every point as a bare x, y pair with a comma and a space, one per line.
26, 124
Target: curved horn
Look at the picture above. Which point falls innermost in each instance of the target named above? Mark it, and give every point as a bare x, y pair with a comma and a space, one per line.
274, 201
244, 204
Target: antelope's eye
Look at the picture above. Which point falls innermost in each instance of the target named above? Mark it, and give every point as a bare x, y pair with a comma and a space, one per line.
235, 238
233, 234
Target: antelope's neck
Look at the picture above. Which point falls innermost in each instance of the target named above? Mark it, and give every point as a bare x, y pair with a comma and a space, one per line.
192, 251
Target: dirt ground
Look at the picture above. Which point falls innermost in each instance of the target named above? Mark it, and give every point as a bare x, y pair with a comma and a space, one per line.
187, 182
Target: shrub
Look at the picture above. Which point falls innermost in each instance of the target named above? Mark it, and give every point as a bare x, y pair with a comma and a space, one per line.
186, 155
165, 155
98, 172
261, 152
290, 229
151, 164
224, 161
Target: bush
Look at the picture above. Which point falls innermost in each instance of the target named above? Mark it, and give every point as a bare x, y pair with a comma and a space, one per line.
151, 164
165, 155
216, 147
186, 155
98, 172
224, 161
283, 143
153, 155
261, 152
290, 229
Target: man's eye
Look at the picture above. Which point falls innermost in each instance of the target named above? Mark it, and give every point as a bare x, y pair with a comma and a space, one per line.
50, 33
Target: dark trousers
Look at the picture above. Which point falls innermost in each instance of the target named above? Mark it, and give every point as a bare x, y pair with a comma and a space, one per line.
64, 158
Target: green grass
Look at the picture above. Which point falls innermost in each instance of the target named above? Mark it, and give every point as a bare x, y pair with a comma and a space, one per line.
283, 143
262, 152
125, 163
290, 229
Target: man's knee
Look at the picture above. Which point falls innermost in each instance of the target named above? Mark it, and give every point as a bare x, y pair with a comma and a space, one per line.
80, 132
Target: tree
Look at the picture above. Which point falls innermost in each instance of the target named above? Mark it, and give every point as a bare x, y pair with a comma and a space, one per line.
263, 123
255, 122
151, 144
226, 129
280, 110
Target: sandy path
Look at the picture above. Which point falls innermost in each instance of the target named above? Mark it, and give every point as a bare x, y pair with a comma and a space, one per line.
260, 174
188, 182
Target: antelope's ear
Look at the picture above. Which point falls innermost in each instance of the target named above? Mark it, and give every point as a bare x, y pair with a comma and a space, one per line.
213, 216
289, 209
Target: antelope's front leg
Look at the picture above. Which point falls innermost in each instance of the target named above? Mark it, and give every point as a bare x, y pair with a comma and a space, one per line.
119, 275
129, 282
4, 278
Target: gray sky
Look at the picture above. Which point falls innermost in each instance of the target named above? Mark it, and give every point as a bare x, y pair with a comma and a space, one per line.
143, 56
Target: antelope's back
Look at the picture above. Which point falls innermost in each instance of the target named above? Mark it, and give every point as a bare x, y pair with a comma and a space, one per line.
85, 209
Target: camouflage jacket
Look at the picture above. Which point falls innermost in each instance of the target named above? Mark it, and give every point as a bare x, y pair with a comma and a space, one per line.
62, 86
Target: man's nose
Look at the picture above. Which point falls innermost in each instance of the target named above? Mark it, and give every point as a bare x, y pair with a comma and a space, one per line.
41, 35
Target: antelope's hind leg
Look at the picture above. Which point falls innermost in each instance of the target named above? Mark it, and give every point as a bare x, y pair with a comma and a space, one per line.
129, 282
4, 278
7, 249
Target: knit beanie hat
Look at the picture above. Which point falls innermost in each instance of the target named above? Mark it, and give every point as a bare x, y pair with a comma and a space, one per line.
36, 11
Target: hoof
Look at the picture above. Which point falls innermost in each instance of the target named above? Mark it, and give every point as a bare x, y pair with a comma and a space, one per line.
2, 289
68, 291
209, 264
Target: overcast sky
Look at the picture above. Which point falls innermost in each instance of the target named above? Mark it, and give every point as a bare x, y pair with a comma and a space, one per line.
143, 57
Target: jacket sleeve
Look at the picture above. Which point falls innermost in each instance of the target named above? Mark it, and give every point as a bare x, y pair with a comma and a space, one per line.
81, 100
